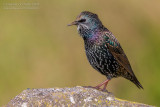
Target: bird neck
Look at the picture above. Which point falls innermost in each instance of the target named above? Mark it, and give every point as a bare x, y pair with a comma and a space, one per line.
90, 34
96, 39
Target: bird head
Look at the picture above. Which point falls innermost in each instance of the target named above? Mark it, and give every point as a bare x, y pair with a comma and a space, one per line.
86, 23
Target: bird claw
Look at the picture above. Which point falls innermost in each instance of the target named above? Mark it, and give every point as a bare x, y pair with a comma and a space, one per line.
97, 88
104, 90
91, 87
87, 86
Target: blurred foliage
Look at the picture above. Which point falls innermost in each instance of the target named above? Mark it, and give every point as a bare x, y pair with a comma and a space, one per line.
38, 50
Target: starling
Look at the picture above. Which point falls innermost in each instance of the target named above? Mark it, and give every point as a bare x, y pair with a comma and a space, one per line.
103, 50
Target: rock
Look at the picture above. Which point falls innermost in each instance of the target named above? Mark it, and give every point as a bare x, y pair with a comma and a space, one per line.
62, 97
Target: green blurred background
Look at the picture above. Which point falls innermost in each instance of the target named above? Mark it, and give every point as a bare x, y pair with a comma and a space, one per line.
38, 50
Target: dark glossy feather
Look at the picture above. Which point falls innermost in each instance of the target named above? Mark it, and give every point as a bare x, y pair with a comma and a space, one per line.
103, 50
118, 53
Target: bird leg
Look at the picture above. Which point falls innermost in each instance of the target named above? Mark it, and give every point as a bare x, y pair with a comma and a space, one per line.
98, 86
103, 83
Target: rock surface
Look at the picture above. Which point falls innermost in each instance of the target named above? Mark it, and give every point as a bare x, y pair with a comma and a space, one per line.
74, 97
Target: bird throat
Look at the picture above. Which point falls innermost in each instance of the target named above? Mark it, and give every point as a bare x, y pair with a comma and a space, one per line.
85, 32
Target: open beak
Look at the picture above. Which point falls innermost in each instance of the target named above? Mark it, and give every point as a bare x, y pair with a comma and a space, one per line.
73, 23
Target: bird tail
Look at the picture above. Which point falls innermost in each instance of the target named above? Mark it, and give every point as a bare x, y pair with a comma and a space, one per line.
137, 83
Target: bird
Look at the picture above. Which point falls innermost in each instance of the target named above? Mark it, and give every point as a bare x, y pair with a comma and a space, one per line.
103, 50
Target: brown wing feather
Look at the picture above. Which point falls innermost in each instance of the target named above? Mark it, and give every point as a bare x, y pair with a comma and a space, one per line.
118, 53
116, 50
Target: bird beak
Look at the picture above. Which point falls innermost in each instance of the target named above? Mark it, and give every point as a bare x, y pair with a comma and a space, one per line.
73, 23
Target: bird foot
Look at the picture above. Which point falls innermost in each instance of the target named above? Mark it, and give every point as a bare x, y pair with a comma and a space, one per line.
104, 90
97, 88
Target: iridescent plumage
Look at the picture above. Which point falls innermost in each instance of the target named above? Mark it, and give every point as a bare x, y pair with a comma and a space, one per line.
103, 50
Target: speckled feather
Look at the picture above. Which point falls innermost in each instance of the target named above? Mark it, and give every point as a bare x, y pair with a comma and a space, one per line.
103, 50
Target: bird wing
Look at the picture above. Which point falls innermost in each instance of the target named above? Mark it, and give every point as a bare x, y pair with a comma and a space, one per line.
116, 50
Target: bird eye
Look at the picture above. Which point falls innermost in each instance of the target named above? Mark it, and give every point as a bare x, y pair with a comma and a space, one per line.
82, 20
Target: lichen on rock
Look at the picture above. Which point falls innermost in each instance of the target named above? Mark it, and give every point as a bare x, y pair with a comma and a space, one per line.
76, 96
